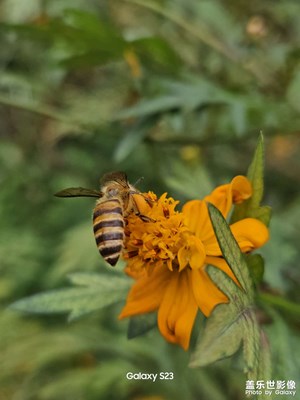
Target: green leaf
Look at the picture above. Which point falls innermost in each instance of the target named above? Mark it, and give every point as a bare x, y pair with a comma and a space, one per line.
141, 324
230, 249
134, 137
196, 93
251, 208
256, 174
154, 50
184, 95
263, 372
238, 297
234, 324
218, 340
149, 107
77, 301
100, 280
243, 301
251, 341
265, 362
228, 328
96, 32
255, 264
89, 58
262, 213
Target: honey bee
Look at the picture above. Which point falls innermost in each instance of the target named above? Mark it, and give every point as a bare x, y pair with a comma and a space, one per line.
116, 201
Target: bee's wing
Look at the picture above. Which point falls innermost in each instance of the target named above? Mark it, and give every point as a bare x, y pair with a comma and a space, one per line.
118, 176
78, 192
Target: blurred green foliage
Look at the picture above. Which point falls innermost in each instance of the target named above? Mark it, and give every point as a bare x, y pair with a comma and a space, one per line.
175, 91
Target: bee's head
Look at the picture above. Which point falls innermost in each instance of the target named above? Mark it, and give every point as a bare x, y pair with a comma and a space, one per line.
113, 184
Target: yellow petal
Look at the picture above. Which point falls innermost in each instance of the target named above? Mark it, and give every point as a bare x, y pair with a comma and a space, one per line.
212, 247
206, 294
197, 253
178, 309
241, 189
197, 219
183, 257
146, 293
238, 190
192, 253
250, 234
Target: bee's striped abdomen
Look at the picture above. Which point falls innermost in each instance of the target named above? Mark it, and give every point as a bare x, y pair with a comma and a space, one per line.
109, 229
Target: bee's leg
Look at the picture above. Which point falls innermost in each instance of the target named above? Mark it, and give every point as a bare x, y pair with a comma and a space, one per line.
144, 218
137, 212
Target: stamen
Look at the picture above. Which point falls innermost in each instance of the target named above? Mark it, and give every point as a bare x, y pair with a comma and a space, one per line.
166, 212
137, 242
131, 254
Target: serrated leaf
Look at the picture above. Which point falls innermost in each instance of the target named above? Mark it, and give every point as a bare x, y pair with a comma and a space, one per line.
234, 324
218, 340
230, 249
222, 335
76, 301
228, 328
99, 280
243, 300
263, 366
239, 298
251, 340
141, 324
264, 370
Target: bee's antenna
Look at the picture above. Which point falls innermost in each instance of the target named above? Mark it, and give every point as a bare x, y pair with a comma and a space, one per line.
138, 181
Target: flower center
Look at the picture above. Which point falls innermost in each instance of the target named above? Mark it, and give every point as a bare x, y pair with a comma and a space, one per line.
163, 240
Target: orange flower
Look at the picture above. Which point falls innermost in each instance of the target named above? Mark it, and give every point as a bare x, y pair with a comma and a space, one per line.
168, 256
